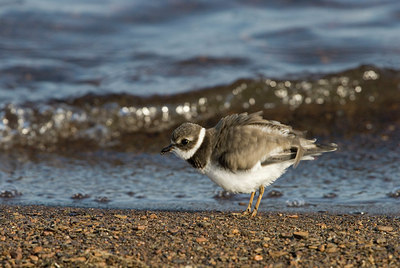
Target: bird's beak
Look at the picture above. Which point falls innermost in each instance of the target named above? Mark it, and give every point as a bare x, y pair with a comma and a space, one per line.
167, 149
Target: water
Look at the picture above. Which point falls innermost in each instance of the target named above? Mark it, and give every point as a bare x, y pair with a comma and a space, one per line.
90, 91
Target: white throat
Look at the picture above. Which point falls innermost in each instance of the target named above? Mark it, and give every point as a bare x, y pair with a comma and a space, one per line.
185, 155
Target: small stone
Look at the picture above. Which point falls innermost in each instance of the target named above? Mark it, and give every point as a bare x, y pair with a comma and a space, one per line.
258, 258
384, 228
123, 217
102, 199
16, 254
274, 194
235, 231
48, 233
381, 240
331, 248
34, 258
201, 239
204, 224
223, 258
139, 227
37, 249
153, 216
300, 234
79, 196
330, 195
293, 216
276, 254
48, 255
286, 235
77, 259
321, 248
173, 231
258, 250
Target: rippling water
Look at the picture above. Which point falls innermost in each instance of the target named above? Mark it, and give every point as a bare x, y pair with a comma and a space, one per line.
90, 91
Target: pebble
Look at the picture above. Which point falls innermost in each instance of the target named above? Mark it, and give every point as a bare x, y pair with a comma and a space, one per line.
258, 250
121, 216
384, 228
381, 240
139, 227
274, 194
258, 258
331, 248
276, 254
286, 235
37, 249
34, 258
300, 234
235, 231
76, 259
204, 224
201, 239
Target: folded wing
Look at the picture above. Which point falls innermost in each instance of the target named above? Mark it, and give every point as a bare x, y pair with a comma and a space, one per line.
244, 140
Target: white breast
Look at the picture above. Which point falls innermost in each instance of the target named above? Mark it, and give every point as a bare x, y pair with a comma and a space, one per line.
246, 181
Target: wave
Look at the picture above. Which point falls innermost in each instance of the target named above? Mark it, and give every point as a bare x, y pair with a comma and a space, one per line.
362, 99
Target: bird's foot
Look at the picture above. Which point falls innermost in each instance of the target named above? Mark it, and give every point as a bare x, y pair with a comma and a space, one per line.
254, 213
246, 212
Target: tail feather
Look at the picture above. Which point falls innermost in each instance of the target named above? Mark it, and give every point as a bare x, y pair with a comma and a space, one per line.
302, 152
322, 148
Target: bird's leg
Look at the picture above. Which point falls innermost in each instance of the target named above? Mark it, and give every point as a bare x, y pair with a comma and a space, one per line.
248, 210
260, 194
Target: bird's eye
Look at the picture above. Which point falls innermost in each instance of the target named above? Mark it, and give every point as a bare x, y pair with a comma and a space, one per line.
185, 141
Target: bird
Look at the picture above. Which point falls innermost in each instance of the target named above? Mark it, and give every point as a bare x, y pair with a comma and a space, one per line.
244, 152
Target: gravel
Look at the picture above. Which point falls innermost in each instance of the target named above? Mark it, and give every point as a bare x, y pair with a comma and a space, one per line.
37, 236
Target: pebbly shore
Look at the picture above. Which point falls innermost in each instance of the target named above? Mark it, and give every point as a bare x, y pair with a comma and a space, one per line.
38, 236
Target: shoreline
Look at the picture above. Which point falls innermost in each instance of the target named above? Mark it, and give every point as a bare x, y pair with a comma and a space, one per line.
32, 236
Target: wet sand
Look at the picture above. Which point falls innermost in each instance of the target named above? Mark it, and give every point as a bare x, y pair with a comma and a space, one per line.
32, 236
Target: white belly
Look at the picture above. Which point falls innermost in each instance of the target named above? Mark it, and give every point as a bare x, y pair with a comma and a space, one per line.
246, 181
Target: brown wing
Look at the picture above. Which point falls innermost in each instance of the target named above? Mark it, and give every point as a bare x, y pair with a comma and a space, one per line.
244, 139
255, 119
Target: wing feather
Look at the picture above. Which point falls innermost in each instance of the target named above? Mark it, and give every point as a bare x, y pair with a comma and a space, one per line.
244, 140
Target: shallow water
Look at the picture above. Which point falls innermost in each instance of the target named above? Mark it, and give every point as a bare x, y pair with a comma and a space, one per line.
357, 178
80, 124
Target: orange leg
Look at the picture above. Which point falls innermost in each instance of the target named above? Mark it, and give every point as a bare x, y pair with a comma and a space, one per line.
260, 194
248, 210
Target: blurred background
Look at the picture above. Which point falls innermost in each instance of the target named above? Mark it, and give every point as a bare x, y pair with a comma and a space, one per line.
90, 91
